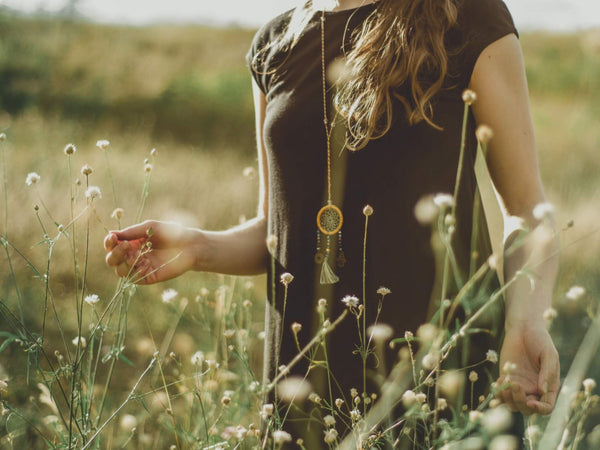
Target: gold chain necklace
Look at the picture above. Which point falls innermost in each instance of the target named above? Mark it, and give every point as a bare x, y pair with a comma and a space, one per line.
329, 217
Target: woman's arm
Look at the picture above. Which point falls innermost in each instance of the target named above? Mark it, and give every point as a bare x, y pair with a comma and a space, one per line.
503, 104
176, 249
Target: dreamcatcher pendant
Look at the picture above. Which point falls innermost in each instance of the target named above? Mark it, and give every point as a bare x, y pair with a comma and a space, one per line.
329, 223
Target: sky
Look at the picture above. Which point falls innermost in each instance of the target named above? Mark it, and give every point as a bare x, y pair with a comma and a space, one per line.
553, 15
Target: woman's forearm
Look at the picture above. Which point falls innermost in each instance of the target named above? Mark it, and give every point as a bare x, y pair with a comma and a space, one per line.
238, 251
534, 265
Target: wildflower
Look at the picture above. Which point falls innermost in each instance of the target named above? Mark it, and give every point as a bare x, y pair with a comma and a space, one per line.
329, 420
322, 306
91, 299
475, 415
93, 193
117, 214
427, 332
543, 211
504, 442
368, 210
491, 356
383, 291
229, 333
355, 415
197, 358
353, 392
469, 97
102, 144
225, 400
497, 420
509, 367
493, 262
380, 332
589, 385
473, 376
426, 211
443, 201
147, 167
315, 398
575, 293
3, 386
451, 382
408, 398
79, 340
281, 437
247, 304
70, 149
272, 243
350, 301
296, 327
153, 152
168, 295
249, 172
127, 422
86, 170
32, 178
442, 404
429, 361
330, 436
286, 278
241, 432
2, 137
267, 410
484, 134
294, 388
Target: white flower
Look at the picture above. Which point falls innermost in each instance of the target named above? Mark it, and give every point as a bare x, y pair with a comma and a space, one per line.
329, 420
117, 214
426, 211
91, 299
127, 422
32, 178
79, 340
338, 403
86, 170
286, 278
473, 376
2, 137
267, 410
169, 295
575, 293
484, 134
504, 442
497, 420
249, 172
296, 327
350, 301
543, 211
293, 389
550, 314
70, 149
589, 385
272, 243
93, 192
368, 210
197, 358
383, 291
147, 167
102, 144
380, 332
3, 386
355, 415
409, 398
492, 356
469, 96
330, 436
281, 437
442, 404
443, 201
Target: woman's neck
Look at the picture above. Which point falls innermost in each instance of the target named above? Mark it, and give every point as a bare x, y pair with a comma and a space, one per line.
339, 5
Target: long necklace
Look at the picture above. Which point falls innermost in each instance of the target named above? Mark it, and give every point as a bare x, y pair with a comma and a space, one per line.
329, 217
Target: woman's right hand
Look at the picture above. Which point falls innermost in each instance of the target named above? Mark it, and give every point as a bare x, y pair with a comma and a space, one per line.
151, 251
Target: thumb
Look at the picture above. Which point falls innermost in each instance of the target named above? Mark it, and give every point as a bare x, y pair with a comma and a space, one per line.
548, 371
134, 232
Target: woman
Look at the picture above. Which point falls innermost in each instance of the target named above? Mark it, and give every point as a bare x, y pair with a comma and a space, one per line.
400, 101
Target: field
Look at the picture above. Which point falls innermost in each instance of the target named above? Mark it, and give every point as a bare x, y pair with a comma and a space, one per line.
185, 91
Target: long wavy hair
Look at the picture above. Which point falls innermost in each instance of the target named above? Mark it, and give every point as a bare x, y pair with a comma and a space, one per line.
400, 44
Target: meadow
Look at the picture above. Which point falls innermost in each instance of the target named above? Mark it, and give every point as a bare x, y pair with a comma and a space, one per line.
178, 364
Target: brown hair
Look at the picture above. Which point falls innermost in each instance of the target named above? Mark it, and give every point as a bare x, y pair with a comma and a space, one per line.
402, 41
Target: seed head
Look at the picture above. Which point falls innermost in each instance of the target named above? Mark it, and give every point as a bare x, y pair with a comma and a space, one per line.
93, 193
408, 398
492, 356
153, 152
147, 167
383, 291
117, 214
86, 170
70, 149
286, 278
330, 435
2, 137
484, 134
169, 295
469, 97
350, 301
102, 144
296, 327
267, 409
589, 385
368, 210
92, 299
272, 243
339, 403
197, 358
281, 437
32, 178
329, 420
550, 314
473, 376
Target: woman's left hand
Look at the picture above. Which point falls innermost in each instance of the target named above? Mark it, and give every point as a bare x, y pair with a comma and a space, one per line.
533, 374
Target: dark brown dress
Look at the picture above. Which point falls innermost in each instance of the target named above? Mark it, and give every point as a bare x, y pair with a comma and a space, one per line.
391, 174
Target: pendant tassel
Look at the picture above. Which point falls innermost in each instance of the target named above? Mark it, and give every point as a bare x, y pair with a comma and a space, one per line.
328, 276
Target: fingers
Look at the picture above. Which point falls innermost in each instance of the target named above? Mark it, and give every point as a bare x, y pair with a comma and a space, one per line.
549, 377
110, 241
519, 399
118, 254
135, 232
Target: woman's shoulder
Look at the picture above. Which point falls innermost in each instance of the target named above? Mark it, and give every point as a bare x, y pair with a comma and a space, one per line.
484, 15
272, 29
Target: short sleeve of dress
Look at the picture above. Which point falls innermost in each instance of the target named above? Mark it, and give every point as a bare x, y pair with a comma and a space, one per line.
483, 22
261, 55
